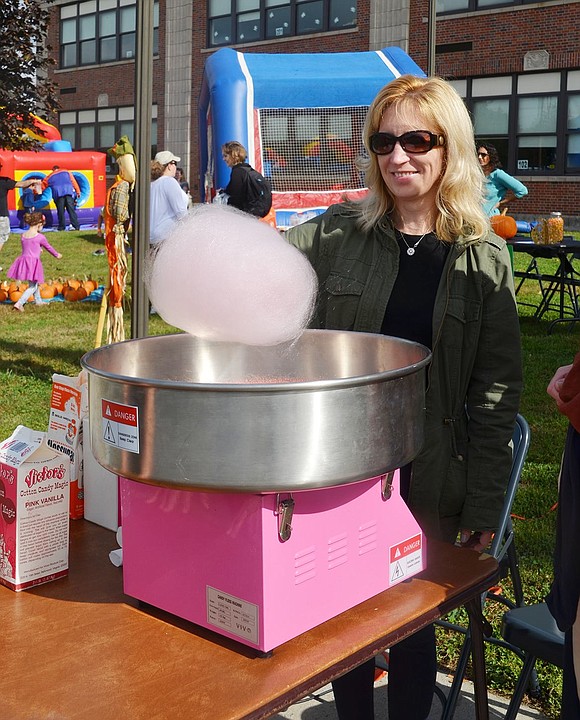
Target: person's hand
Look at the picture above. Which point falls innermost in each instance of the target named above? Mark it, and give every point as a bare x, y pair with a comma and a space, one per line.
475, 540
58, 256
555, 383
99, 232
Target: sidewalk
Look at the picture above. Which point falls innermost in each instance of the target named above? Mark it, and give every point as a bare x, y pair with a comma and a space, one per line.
320, 706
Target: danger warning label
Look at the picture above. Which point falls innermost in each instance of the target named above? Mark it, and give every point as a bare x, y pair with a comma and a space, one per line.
120, 425
405, 559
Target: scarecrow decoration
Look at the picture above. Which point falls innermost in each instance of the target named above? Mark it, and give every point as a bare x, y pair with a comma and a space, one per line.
117, 213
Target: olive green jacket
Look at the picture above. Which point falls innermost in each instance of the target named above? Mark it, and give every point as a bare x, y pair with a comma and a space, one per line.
474, 379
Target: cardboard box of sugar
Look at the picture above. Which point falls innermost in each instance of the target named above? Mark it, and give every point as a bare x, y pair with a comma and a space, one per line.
34, 510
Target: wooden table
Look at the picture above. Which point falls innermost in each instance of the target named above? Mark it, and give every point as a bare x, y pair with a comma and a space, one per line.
78, 648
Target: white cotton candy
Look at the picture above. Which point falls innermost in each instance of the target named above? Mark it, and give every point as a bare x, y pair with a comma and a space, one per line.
224, 275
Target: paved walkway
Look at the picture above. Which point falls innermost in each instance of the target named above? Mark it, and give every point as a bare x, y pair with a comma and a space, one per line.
320, 706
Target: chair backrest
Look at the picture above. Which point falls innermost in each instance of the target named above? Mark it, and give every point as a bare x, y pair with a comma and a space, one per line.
504, 535
502, 546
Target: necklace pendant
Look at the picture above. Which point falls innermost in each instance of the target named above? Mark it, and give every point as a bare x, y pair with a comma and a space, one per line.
411, 251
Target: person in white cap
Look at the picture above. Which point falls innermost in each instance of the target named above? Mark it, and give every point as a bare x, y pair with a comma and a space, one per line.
168, 202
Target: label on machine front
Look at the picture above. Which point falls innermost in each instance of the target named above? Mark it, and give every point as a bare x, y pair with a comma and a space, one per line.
120, 425
405, 559
230, 613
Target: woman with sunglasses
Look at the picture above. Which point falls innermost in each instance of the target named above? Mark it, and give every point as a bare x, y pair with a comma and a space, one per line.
500, 188
416, 259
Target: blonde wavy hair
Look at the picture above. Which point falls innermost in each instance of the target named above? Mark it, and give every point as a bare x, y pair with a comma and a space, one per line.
459, 197
235, 152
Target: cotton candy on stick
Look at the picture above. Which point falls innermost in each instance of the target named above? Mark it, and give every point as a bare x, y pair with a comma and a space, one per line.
224, 275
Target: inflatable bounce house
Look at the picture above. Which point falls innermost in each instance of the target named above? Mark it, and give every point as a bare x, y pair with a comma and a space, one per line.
300, 116
88, 168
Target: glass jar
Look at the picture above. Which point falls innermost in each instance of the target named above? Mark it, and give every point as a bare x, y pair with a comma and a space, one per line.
550, 230
555, 228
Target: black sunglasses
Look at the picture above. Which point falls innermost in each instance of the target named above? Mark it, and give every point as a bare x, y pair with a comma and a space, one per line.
415, 142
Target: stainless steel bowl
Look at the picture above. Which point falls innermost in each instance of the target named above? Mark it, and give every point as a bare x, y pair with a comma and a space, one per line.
327, 409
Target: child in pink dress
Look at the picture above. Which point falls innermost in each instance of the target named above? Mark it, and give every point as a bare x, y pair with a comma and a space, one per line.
27, 266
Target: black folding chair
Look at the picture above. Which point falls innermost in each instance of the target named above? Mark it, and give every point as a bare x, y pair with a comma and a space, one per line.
503, 549
533, 630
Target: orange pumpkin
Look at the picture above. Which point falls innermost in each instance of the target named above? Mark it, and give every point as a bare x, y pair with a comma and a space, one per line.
74, 283
89, 285
3, 295
15, 295
47, 291
70, 294
82, 293
504, 226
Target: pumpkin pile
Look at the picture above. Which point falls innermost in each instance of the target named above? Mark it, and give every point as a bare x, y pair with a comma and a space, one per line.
12, 291
71, 289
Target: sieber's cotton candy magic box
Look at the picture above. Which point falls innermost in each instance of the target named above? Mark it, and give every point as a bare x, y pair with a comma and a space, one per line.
34, 510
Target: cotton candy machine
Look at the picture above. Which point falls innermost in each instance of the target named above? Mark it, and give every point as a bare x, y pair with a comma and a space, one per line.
259, 485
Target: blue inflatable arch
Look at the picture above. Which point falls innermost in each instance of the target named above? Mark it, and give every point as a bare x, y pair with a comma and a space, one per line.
299, 116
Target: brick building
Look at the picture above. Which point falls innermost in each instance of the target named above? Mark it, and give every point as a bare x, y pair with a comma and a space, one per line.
516, 63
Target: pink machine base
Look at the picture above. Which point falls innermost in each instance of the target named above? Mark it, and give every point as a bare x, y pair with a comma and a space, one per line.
217, 559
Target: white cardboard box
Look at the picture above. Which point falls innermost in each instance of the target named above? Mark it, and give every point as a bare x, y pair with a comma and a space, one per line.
101, 488
68, 406
34, 510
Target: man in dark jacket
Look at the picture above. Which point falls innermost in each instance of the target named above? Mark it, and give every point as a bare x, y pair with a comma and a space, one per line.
65, 190
564, 597
7, 184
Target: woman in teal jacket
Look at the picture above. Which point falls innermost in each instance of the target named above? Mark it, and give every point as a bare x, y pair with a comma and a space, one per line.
500, 188
416, 258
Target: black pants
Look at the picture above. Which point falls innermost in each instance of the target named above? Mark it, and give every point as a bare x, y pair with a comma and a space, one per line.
62, 203
412, 672
412, 676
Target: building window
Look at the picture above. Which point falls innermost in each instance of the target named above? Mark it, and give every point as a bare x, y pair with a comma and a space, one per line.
455, 6
573, 122
536, 133
101, 128
93, 32
533, 119
244, 21
573, 134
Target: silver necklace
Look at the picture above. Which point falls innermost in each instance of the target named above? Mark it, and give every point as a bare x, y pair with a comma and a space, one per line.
411, 248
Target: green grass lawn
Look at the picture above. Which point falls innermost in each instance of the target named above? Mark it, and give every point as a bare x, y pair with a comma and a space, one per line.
44, 340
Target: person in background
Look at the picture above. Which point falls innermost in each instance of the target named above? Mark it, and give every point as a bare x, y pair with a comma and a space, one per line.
29, 196
564, 597
168, 201
500, 188
235, 156
416, 259
183, 184
100, 222
7, 184
27, 266
65, 191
